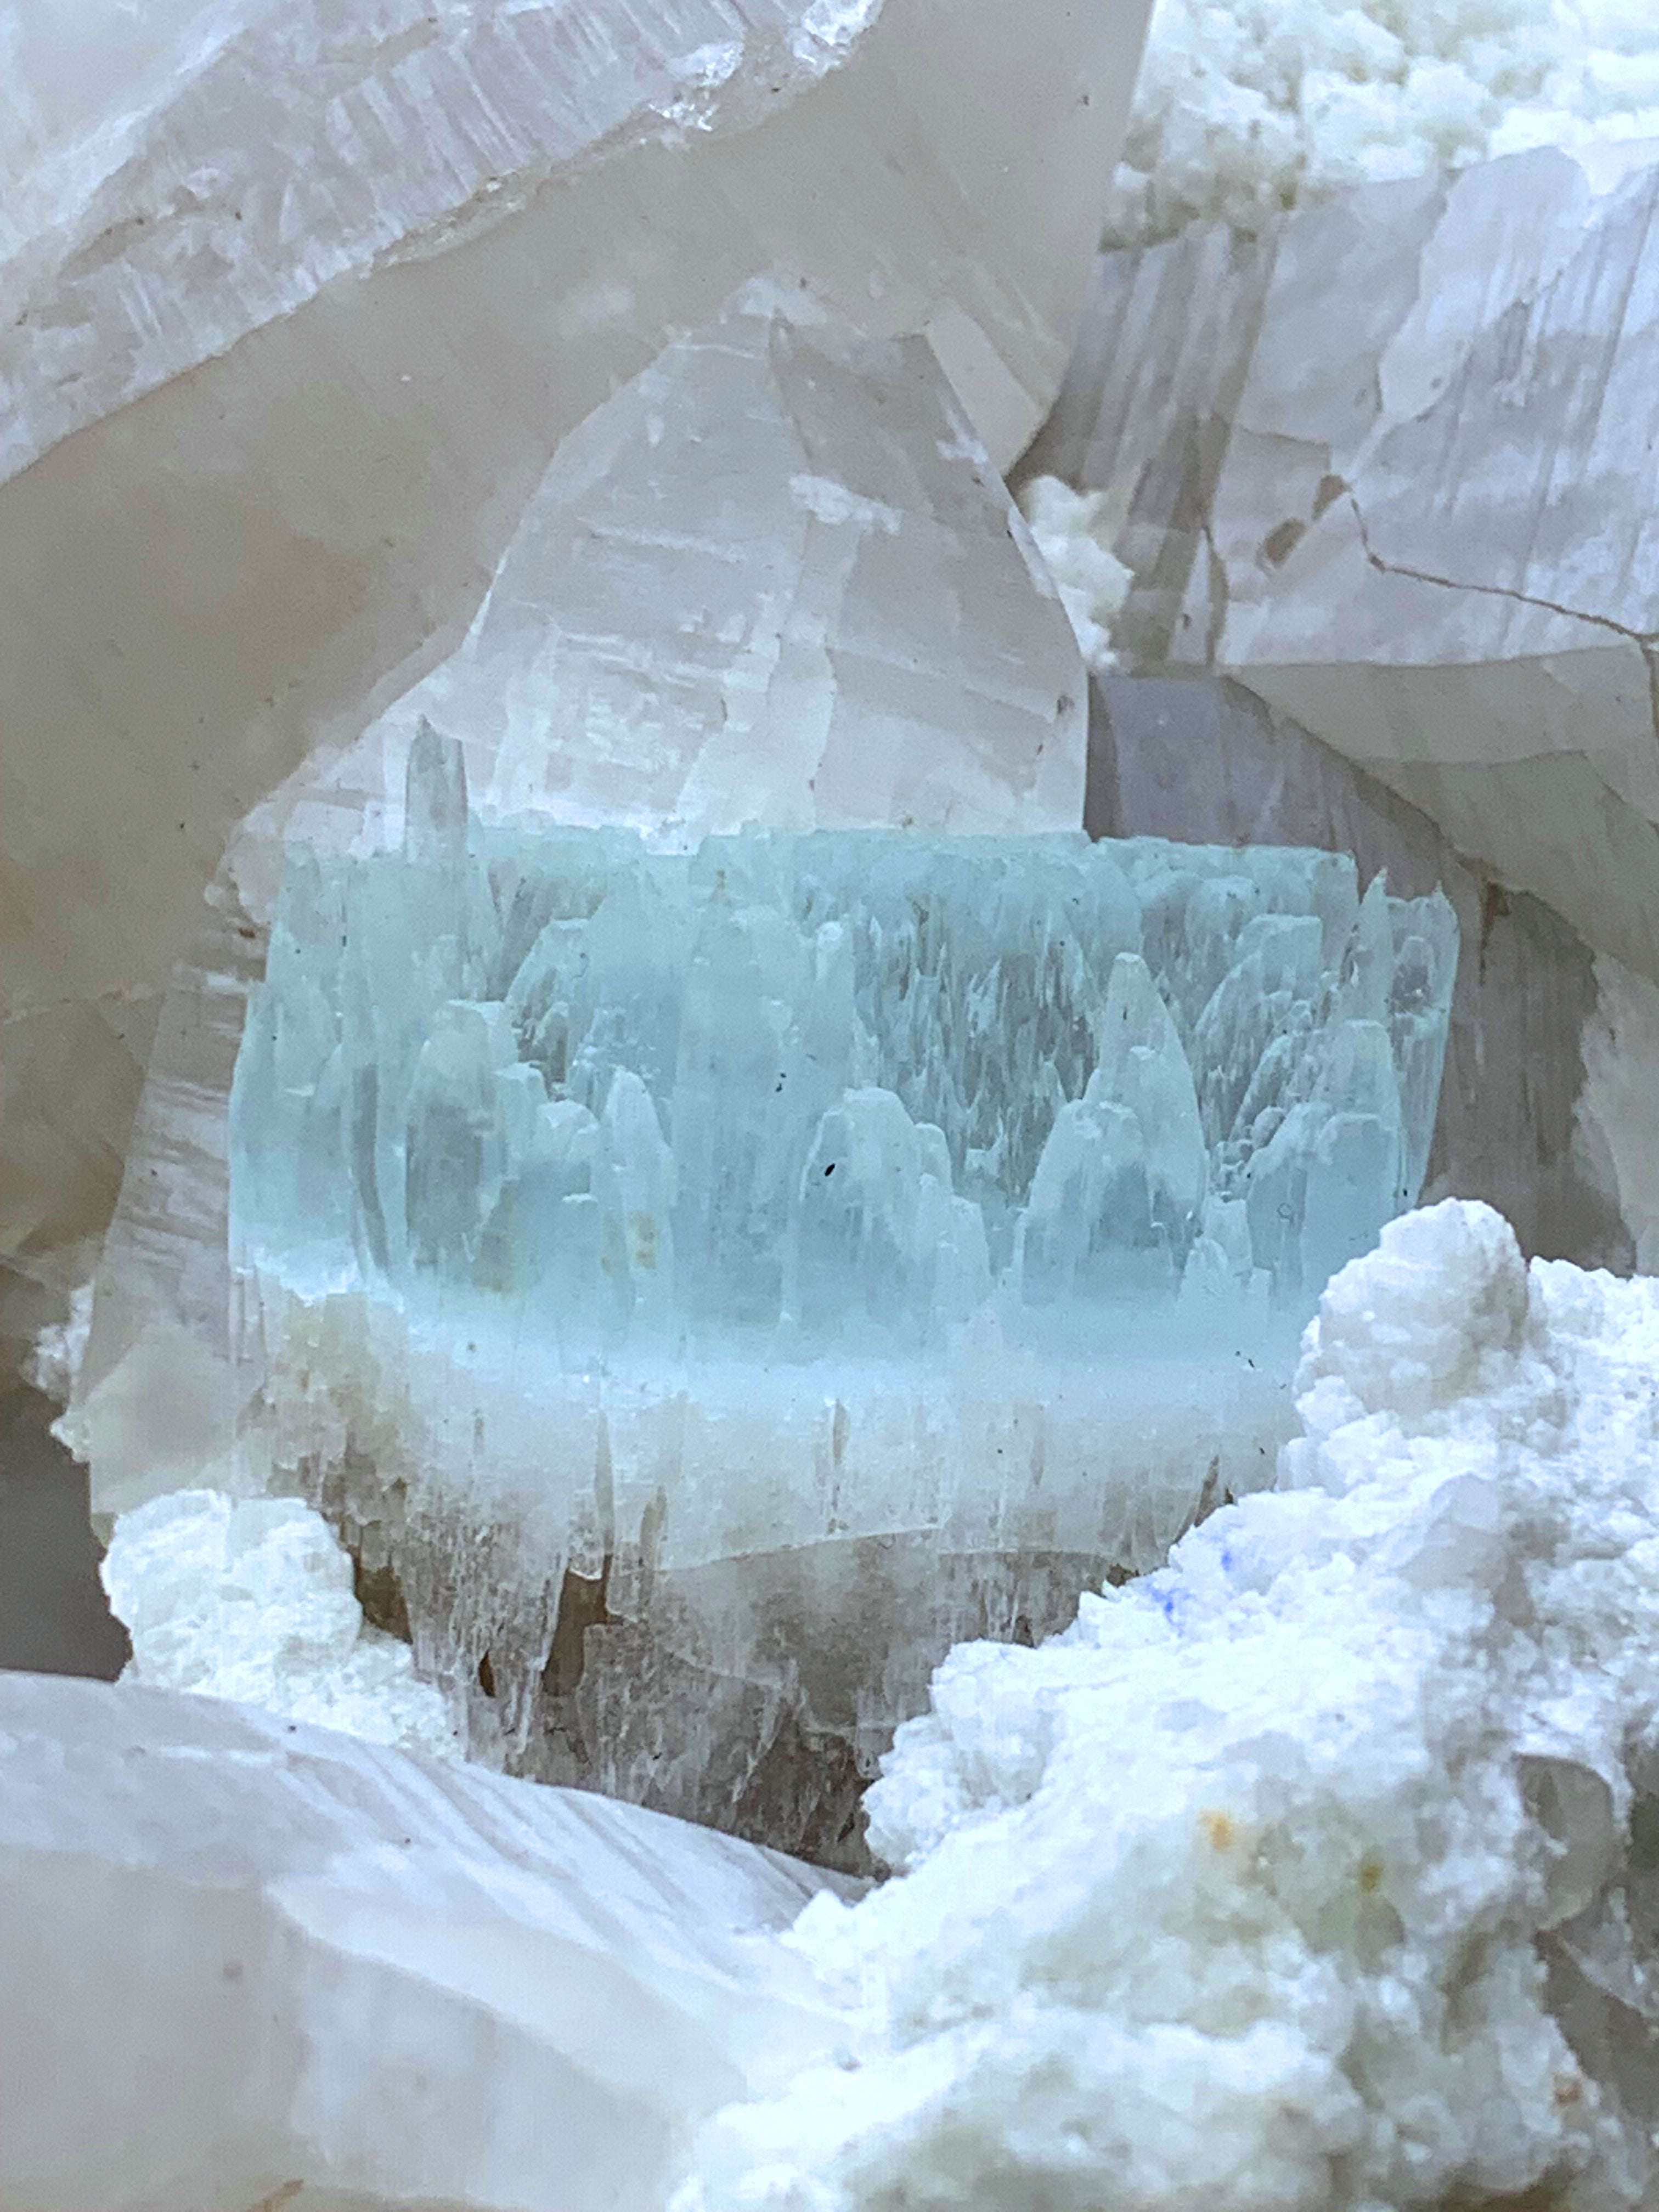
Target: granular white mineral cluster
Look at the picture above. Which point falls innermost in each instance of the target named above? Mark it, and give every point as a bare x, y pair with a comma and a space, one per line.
1243, 107
251, 1599
1318, 1870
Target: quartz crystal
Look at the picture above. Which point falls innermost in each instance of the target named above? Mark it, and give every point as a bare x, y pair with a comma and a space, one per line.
710, 1283
302, 300
1317, 1868
1387, 464
248, 1963
775, 578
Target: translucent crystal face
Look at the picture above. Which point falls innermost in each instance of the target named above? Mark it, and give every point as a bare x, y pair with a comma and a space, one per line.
790, 1095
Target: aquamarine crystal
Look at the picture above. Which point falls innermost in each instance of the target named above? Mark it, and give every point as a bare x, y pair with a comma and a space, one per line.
629, 1234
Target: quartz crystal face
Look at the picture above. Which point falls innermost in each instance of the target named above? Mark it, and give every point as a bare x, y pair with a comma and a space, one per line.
709, 1283
1306, 445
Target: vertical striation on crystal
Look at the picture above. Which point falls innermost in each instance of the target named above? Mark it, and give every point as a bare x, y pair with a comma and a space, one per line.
303, 295
774, 578
712, 1282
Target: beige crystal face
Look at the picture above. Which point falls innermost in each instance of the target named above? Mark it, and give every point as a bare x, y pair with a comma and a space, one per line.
304, 324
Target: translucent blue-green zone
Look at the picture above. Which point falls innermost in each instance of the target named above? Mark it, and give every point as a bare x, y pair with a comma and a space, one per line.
791, 1094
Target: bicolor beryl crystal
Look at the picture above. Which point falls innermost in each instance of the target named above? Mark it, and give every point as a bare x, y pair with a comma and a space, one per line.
707, 1283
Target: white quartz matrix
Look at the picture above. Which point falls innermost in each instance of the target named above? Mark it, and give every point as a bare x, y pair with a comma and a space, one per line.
1317, 1870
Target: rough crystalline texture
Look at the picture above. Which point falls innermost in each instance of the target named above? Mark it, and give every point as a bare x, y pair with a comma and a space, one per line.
1553, 1054
1317, 1869
1387, 464
248, 1963
774, 579
301, 302
711, 1283
251, 1599
1242, 111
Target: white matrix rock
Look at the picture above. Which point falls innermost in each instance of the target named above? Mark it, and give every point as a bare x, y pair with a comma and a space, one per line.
251, 1599
1317, 1870
249, 1964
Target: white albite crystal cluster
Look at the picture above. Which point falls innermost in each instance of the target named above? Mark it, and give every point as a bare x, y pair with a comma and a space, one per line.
300, 300
1243, 109
1387, 463
710, 1284
248, 1963
251, 1599
1318, 1868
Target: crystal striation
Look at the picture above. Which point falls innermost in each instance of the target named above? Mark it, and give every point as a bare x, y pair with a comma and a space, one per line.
248, 1963
629, 1238
1201, 756
301, 299
774, 578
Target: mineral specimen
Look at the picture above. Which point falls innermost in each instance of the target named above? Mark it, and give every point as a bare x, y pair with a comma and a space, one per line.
251, 1599
302, 300
774, 579
1532, 1068
711, 1283
1241, 112
1317, 1870
1387, 464
248, 1963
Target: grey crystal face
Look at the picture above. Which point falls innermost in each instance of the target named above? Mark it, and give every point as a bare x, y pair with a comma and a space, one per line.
792, 1094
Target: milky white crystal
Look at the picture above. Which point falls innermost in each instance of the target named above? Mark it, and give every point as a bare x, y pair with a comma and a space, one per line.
247, 1963
1387, 464
251, 1599
773, 579
1315, 1870
301, 302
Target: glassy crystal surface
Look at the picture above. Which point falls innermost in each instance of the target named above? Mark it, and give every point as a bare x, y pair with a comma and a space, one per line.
773, 579
630, 1238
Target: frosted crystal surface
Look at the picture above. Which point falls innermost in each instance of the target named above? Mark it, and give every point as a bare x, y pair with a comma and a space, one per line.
681, 1223
1241, 112
775, 578
249, 1963
1316, 1868
251, 1599
301, 301
1386, 464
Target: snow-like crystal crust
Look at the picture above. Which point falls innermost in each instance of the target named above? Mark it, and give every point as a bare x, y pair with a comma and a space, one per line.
1317, 1870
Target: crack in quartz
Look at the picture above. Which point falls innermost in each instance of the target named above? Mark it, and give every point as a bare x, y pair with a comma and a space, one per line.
1645, 641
